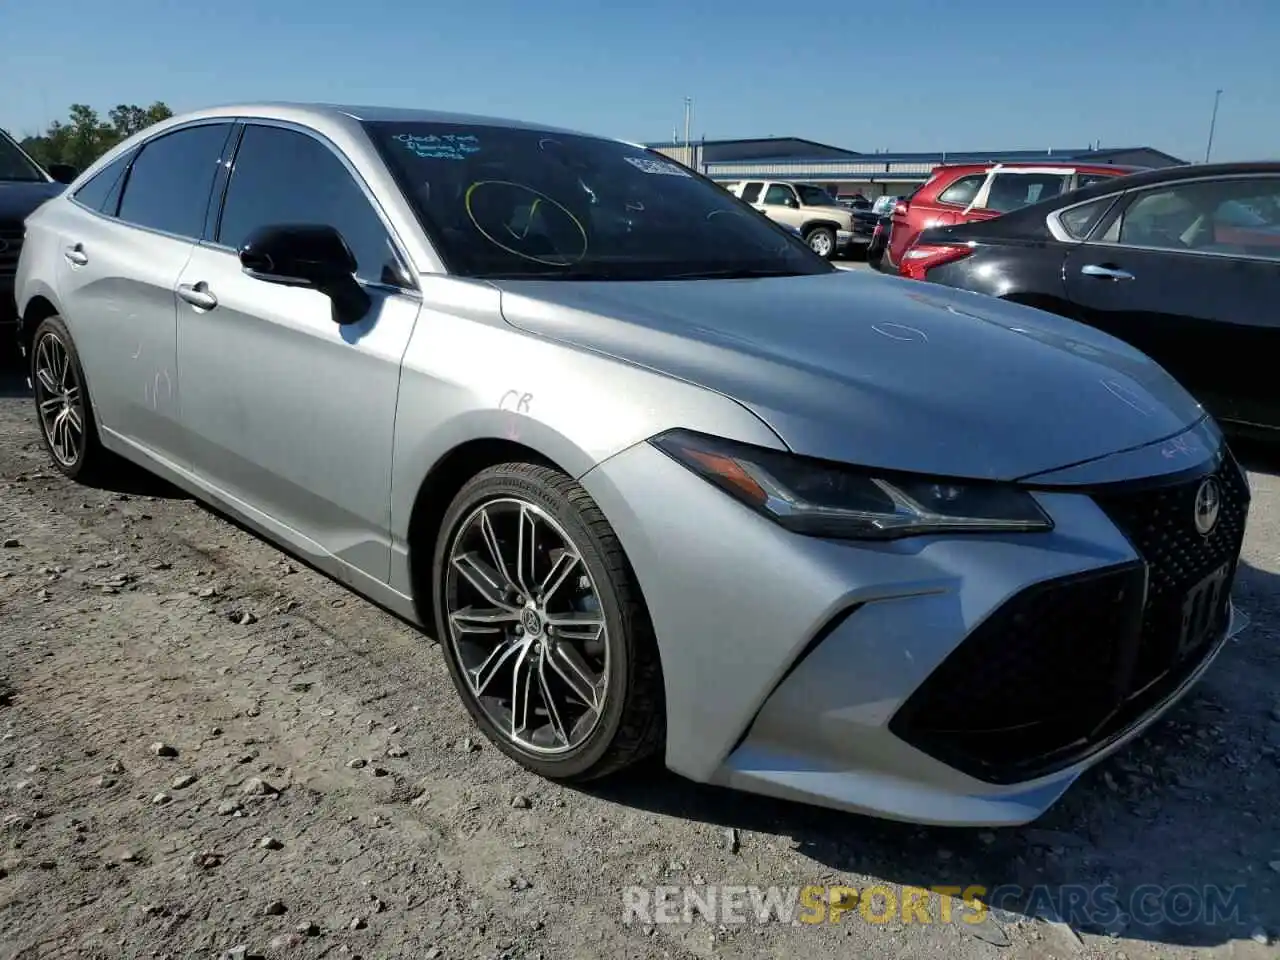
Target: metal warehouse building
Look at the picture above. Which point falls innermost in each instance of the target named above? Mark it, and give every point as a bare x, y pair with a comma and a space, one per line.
872, 174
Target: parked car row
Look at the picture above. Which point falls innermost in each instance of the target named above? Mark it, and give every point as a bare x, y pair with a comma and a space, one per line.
658, 477
1183, 263
24, 185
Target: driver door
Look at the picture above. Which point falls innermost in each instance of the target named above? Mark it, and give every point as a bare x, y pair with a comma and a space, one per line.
781, 204
286, 410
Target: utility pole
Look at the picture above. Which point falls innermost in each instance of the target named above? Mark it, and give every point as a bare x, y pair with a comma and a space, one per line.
688, 148
1213, 122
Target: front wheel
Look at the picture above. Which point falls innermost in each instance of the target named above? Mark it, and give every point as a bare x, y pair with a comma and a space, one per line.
547, 640
822, 241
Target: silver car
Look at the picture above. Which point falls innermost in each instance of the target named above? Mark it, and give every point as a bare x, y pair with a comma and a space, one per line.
659, 479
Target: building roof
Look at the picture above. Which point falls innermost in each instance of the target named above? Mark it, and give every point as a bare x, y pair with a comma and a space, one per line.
783, 146
792, 157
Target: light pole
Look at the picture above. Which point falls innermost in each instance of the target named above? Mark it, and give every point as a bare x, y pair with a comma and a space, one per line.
688, 148
1213, 121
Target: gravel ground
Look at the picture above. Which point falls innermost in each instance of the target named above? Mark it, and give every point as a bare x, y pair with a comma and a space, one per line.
210, 750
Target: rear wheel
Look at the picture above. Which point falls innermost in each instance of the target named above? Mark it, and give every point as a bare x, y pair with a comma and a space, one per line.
822, 241
63, 409
546, 637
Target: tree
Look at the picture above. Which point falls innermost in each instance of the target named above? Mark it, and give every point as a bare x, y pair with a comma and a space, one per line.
85, 137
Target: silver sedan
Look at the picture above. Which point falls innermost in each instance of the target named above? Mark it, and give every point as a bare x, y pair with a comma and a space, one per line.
658, 478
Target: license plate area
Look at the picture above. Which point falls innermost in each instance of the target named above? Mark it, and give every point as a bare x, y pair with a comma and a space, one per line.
1202, 611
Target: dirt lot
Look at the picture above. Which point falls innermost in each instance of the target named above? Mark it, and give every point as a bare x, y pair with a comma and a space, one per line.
320, 791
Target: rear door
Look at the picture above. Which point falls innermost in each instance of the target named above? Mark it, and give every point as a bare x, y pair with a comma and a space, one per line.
1174, 273
139, 222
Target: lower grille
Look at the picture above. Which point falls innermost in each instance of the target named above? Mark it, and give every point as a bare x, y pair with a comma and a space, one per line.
1065, 667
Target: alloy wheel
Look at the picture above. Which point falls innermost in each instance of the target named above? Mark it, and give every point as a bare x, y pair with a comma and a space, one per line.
526, 626
59, 399
820, 244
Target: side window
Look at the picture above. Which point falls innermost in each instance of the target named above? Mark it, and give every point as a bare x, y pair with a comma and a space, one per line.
1078, 221
1010, 191
168, 185
1247, 221
102, 192
1163, 218
1089, 179
1230, 216
962, 192
778, 194
751, 192
283, 176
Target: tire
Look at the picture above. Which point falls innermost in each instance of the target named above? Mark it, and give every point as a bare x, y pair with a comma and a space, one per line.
68, 431
822, 241
509, 631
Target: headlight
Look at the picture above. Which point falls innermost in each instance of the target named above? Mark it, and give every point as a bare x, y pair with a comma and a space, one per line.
825, 499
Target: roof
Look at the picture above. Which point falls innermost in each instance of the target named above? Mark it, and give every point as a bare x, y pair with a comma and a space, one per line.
1071, 164
1186, 171
373, 114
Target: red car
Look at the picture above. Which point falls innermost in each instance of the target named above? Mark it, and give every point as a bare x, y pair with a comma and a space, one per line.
959, 193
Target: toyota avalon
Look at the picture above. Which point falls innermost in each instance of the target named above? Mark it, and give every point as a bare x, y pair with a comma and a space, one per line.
658, 478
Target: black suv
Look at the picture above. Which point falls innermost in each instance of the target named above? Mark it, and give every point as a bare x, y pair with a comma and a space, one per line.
23, 187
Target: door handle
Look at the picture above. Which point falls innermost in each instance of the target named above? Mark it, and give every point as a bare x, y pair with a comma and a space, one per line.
1105, 273
75, 255
197, 295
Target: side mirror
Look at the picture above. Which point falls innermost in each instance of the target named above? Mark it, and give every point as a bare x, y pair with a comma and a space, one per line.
297, 255
63, 172
307, 255
793, 203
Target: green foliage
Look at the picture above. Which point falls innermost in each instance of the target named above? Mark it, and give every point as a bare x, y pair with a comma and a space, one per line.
85, 136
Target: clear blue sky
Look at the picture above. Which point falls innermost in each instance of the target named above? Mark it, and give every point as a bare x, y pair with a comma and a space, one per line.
886, 74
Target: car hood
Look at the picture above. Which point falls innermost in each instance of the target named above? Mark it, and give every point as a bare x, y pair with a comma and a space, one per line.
19, 197
877, 370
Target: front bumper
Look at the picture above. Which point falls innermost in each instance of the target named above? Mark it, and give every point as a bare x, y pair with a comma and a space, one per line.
847, 238
790, 663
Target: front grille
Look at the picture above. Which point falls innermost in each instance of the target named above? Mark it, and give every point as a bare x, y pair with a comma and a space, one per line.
1065, 667
10, 247
1159, 524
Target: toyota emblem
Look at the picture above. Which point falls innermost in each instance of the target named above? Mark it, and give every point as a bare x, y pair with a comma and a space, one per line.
1208, 504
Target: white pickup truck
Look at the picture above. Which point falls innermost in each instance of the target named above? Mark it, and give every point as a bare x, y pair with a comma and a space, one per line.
825, 225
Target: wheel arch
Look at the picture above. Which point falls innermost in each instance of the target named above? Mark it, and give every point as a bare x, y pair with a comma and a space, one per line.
447, 475
38, 308
809, 225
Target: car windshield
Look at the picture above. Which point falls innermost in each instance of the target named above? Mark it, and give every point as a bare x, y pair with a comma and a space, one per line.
812, 196
513, 202
14, 164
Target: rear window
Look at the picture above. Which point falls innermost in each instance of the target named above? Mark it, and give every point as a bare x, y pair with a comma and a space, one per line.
962, 192
751, 192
